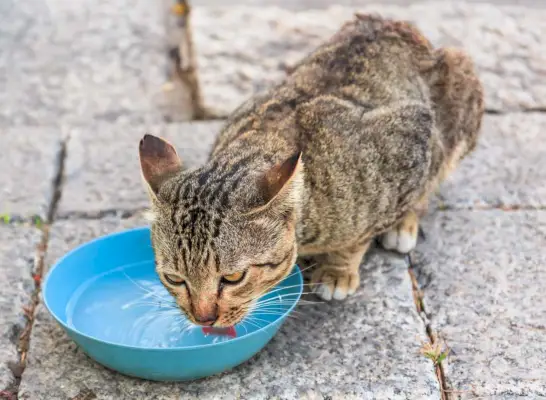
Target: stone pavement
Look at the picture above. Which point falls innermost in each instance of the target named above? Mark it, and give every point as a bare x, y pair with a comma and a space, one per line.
81, 82
253, 49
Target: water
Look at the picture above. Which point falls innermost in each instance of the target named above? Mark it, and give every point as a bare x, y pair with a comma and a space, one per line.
130, 306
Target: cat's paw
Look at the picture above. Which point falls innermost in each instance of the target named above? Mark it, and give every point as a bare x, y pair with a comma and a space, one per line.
328, 283
401, 240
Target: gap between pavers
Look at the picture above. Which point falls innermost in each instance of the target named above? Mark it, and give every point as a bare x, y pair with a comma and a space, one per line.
17, 260
480, 273
102, 169
28, 164
102, 172
367, 347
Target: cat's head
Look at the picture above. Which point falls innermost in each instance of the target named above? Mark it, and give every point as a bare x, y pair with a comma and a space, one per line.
222, 234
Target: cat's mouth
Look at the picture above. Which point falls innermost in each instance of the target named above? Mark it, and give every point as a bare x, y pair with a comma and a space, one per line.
224, 320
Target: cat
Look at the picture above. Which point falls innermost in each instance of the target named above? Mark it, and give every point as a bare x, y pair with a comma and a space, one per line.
347, 148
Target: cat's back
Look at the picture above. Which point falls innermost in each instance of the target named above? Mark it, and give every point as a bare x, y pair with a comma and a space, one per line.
370, 62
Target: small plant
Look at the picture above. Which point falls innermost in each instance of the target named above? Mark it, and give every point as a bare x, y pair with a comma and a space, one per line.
434, 351
37, 221
5, 218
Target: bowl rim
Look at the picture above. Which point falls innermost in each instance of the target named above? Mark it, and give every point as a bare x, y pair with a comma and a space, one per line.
161, 349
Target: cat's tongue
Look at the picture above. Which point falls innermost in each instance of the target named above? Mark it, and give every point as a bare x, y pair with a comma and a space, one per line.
211, 330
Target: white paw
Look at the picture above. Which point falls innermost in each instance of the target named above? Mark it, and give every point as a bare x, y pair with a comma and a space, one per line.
399, 240
323, 291
337, 285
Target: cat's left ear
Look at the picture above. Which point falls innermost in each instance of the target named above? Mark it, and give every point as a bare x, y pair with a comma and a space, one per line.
158, 161
283, 180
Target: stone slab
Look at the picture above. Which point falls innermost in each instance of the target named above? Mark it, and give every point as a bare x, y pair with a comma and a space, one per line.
483, 275
365, 348
17, 255
507, 169
309, 4
102, 170
242, 49
73, 61
28, 165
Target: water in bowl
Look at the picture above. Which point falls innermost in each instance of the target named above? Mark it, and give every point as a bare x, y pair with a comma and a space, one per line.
130, 306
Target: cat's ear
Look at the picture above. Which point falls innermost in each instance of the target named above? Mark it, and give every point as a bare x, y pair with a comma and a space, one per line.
158, 161
280, 179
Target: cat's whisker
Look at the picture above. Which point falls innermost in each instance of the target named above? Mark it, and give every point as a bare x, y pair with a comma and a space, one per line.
142, 304
301, 270
306, 268
282, 296
149, 292
285, 306
267, 292
188, 327
247, 320
289, 298
282, 288
262, 320
275, 312
288, 276
278, 314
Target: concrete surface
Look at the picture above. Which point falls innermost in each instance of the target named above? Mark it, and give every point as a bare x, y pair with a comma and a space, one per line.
17, 250
321, 4
94, 69
508, 167
495, 174
367, 347
28, 164
77, 61
482, 275
103, 174
240, 51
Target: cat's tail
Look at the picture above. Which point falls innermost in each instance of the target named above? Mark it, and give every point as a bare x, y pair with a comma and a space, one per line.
457, 98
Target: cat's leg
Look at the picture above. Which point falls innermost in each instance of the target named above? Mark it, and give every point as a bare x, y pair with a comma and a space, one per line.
403, 238
457, 98
337, 275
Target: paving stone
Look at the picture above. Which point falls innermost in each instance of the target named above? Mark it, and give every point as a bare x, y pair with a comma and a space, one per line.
73, 61
496, 174
483, 275
28, 165
102, 167
17, 253
508, 168
309, 4
243, 49
367, 347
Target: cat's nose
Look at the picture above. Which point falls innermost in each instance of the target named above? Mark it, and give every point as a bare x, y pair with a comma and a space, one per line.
208, 322
205, 314
207, 319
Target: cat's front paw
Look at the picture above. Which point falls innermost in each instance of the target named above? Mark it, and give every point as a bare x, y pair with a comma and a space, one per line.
329, 283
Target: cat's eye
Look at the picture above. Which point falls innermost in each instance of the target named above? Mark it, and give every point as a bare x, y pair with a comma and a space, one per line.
174, 280
234, 278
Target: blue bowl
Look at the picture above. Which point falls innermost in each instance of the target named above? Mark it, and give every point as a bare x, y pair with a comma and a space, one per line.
109, 300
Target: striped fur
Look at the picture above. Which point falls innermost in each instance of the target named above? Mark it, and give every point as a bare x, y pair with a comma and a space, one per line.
380, 118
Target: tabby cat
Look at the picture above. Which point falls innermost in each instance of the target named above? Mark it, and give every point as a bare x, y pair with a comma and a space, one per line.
348, 148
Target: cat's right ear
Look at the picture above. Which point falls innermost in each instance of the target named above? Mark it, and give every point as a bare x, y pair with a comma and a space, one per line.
158, 161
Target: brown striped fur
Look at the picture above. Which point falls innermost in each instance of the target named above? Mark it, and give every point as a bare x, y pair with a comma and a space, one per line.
347, 148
